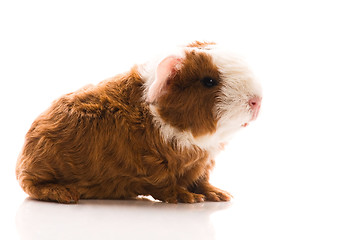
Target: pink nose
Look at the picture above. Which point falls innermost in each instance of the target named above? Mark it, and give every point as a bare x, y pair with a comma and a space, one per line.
255, 103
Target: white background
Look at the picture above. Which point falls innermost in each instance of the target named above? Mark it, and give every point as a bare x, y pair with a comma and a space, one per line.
295, 173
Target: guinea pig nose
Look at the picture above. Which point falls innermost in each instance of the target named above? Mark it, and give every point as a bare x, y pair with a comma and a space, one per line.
255, 102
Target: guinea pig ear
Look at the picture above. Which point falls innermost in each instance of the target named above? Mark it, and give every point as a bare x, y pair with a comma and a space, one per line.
166, 70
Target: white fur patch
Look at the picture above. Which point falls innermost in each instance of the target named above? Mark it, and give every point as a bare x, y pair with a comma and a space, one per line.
238, 85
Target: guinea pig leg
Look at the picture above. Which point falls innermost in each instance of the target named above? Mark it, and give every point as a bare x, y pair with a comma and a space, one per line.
58, 193
211, 192
186, 196
51, 192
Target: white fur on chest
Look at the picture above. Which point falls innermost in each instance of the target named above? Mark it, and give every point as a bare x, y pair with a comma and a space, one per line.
184, 139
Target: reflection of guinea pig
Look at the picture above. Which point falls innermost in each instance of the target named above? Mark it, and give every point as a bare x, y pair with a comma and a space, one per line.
152, 131
112, 219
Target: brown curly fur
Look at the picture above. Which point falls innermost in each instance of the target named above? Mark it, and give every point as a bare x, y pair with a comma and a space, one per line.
192, 99
101, 142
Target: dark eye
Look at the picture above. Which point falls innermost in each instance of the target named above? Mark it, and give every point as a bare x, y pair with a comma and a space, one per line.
209, 82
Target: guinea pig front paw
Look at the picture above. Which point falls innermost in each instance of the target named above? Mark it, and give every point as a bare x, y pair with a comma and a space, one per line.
213, 194
188, 197
217, 195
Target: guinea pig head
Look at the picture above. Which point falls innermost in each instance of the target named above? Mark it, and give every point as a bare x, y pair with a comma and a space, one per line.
204, 92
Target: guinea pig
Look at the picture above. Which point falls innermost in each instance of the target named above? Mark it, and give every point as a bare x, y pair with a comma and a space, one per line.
154, 130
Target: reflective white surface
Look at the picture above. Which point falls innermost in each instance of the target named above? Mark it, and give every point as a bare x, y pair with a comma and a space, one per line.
111, 219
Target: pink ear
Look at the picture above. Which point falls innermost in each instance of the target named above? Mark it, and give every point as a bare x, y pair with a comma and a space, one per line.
165, 70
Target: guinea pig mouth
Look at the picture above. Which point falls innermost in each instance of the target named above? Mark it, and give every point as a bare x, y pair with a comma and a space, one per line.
244, 125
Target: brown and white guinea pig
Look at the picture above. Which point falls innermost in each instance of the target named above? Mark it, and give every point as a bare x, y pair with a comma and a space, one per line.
154, 130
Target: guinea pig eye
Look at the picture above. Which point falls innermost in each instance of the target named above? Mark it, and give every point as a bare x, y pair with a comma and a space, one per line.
209, 82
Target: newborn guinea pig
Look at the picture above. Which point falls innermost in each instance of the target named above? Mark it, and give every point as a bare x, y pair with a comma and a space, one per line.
154, 130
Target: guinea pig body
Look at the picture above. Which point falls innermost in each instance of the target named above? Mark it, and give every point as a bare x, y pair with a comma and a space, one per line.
152, 131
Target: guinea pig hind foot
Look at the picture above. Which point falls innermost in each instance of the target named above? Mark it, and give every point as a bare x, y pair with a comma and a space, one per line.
54, 192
